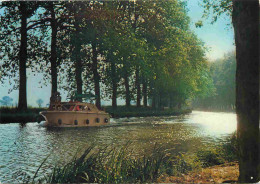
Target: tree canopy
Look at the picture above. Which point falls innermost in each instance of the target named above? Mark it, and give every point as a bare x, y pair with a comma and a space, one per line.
115, 49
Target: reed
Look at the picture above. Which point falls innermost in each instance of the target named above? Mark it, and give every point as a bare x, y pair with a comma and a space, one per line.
122, 165
110, 165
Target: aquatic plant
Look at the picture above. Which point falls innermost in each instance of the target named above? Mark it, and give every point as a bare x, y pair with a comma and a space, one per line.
121, 165
110, 165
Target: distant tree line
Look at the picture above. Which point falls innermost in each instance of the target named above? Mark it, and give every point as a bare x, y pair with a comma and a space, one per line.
133, 50
223, 72
6, 101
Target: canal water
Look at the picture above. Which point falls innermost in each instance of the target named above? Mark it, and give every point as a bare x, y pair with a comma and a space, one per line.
24, 147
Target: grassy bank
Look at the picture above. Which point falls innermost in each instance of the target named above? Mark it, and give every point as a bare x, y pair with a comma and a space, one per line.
121, 165
224, 173
12, 115
122, 111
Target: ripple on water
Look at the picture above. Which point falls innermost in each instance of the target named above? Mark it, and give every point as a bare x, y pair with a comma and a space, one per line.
23, 148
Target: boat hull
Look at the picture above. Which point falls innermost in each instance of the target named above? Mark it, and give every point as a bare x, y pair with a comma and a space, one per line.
75, 119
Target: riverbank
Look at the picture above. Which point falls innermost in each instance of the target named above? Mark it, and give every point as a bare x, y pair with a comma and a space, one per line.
12, 115
122, 111
158, 164
225, 173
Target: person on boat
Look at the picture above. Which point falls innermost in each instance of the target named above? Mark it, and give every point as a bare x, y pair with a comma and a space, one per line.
77, 106
58, 97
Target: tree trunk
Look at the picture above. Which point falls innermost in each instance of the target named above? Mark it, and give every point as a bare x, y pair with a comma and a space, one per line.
154, 101
96, 75
138, 88
53, 58
145, 93
179, 105
114, 85
78, 60
127, 90
22, 103
245, 20
171, 100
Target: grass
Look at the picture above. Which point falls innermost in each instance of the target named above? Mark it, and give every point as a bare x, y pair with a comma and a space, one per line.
132, 111
110, 165
224, 173
12, 114
122, 165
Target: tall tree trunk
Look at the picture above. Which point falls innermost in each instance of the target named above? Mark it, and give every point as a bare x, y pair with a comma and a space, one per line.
53, 58
245, 20
114, 85
127, 89
96, 75
78, 62
144, 92
138, 87
22, 103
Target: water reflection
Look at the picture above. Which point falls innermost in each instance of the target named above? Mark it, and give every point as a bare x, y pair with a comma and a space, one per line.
23, 148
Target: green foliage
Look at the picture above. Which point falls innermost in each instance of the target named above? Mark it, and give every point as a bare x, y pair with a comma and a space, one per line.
223, 73
230, 148
210, 157
13, 115
226, 152
216, 8
130, 38
110, 165
182, 164
122, 165
122, 111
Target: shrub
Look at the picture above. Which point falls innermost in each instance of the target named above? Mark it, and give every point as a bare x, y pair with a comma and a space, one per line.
210, 157
230, 148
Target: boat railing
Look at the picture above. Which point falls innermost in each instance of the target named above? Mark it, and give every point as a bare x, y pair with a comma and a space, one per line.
72, 106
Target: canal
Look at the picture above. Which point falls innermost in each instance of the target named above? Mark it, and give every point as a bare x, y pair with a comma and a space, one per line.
24, 147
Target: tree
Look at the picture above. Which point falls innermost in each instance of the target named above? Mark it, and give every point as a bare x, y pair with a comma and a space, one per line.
39, 102
223, 72
245, 18
245, 15
6, 100
18, 13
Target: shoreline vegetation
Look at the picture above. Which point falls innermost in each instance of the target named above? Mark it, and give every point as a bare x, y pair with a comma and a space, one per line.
12, 115
158, 164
